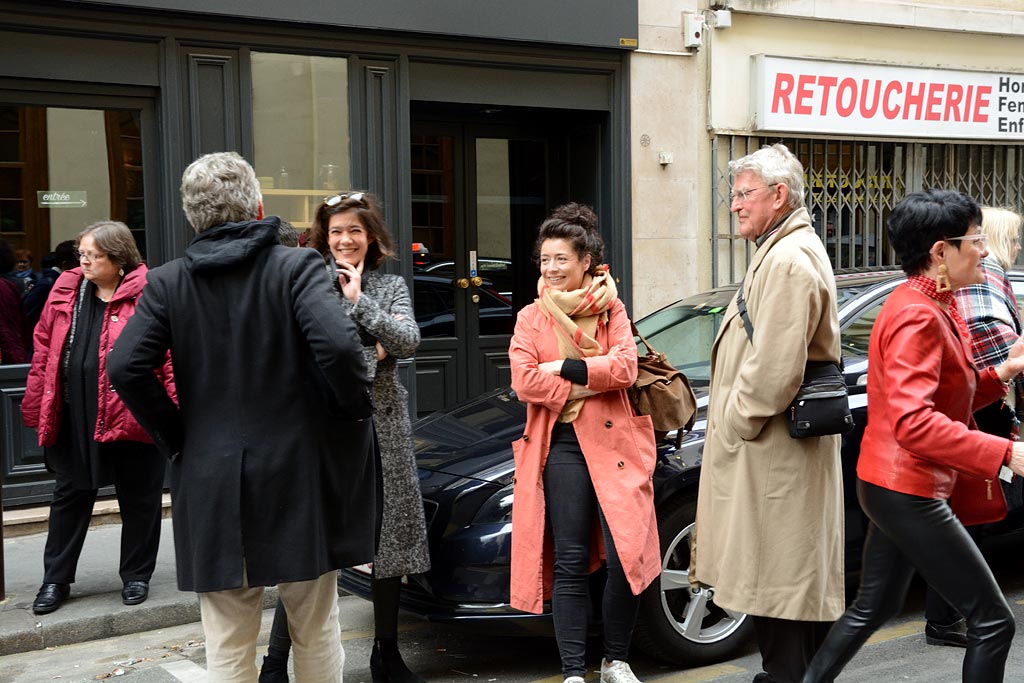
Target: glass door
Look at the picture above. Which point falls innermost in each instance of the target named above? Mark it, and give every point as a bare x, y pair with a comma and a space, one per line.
478, 194
66, 161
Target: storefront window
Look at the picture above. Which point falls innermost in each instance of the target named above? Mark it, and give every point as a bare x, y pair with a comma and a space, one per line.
301, 129
62, 169
853, 185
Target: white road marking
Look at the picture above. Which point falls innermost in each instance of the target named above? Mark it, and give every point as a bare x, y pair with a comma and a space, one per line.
185, 671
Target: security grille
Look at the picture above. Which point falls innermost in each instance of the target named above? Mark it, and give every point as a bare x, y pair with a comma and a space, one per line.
853, 185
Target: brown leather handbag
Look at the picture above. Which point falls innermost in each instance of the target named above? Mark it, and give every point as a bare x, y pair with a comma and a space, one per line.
662, 392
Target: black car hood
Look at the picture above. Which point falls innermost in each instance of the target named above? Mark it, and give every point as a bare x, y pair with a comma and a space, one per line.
474, 439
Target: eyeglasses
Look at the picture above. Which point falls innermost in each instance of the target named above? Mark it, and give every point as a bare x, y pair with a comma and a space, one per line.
85, 256
744, 195
334, 200
980, 239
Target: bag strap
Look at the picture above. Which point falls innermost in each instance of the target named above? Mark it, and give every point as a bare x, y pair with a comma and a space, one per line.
741, 306
636, 333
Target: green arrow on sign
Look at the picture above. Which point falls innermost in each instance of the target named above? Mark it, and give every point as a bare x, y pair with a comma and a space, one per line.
61, 199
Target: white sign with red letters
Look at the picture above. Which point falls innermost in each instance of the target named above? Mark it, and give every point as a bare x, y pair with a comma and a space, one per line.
814, 96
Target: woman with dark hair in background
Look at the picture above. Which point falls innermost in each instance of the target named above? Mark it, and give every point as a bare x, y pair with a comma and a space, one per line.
920, 459
90, 438
583, 468
349, 231
13, 342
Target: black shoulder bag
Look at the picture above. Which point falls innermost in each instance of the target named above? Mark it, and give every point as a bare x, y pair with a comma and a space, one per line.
821, 406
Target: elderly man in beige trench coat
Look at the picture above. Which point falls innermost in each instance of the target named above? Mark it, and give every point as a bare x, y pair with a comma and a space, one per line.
769, 535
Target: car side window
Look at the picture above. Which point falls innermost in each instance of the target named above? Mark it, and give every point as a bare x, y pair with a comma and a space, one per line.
856, 337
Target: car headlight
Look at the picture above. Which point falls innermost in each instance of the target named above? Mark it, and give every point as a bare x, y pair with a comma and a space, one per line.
497, 509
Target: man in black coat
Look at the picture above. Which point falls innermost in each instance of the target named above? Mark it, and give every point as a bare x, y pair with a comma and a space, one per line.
272, 475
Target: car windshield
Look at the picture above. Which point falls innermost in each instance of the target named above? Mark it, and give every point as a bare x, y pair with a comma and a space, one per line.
686, 330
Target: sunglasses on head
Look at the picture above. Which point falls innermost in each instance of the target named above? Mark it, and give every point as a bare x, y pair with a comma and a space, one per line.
334, 200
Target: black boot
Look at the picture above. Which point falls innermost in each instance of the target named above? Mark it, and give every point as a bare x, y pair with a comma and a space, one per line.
386, 665
954, 635
275, 667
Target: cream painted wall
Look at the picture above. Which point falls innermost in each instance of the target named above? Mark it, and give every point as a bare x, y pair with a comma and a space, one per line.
751, 35
76, 142
680, 98
671, 249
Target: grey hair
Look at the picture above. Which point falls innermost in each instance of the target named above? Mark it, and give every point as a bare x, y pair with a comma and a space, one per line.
775, 164
114, 239
219, 188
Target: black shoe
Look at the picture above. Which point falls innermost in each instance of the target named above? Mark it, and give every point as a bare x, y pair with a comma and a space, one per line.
953, 635
386, 664
763, 678
274, 669
135, 592
50, 597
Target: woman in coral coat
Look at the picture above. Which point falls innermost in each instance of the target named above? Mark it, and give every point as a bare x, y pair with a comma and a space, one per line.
584, 465
90, 438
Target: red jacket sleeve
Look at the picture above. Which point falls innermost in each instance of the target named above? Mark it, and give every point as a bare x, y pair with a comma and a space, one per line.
34, 386
912, 368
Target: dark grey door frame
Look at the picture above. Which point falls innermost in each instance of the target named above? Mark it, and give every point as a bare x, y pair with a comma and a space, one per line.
24, 476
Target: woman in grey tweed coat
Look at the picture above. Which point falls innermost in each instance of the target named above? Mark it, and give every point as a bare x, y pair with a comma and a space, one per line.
349, 231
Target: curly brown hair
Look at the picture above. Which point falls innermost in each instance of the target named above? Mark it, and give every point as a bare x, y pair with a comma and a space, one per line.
367, 209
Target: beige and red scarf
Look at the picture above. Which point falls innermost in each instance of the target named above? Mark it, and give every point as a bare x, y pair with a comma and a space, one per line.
575, 315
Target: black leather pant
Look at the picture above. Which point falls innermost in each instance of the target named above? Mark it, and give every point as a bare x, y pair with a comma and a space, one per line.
908, 533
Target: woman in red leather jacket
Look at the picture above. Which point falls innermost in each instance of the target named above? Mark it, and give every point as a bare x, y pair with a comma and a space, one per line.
920, 445
89, 437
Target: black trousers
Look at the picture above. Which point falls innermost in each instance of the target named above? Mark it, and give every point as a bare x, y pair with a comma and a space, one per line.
787, 646
908, 533
139, 482
571, 505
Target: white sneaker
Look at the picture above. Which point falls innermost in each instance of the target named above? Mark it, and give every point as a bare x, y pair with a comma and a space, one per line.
616, 671
574, 679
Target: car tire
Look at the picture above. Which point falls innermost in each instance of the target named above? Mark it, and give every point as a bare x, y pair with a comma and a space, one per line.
676, 623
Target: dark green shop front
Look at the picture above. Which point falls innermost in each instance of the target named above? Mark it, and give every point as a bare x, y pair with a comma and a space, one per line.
469, 125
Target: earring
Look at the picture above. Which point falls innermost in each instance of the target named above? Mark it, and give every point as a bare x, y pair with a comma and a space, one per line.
942, 279
120, 272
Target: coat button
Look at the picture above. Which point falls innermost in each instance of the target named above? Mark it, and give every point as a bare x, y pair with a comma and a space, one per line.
113, 318
621, 465
526, 437
608, 424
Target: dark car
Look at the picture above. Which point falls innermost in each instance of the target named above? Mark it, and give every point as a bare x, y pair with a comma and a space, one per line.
465, 465
434, 305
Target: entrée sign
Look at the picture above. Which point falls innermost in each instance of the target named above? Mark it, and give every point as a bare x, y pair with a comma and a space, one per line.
61, 199
810, 96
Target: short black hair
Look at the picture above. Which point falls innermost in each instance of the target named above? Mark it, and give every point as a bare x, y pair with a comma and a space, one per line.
923, 218
65, 255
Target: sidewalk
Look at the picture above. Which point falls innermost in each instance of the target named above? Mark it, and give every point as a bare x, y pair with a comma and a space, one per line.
94, 609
